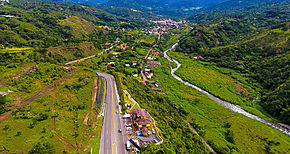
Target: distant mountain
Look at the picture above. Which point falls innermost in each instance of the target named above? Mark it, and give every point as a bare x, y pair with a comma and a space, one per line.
174, 7
93, 2
230, 4
164, 4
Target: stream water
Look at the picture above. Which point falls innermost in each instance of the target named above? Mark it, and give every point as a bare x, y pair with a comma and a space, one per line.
228, 105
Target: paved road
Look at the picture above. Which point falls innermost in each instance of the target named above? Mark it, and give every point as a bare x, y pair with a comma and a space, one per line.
112, 142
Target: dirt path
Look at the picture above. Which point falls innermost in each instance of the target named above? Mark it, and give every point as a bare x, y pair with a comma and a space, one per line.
86, 119
50, 87
94, 94
19, 103
29, 69
210, 148
5, 115
148, 53
69, 146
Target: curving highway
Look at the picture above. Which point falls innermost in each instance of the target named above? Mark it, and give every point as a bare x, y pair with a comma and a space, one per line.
112, 141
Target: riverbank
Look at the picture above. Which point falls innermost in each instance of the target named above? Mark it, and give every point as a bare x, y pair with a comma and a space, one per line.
224, 130
228, 105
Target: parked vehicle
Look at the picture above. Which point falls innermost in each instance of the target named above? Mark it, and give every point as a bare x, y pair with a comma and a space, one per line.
128, 128
149, 132
128, 125
120, 130
153, 131
155, 141
128, 145
126, 116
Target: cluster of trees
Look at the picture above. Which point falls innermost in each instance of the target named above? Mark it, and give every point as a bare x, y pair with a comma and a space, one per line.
24, 113
222, 33
37, 24
2, 104
260, 54
42, 148
261, 15
44, 73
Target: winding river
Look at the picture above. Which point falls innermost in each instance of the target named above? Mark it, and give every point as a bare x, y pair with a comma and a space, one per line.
228, 105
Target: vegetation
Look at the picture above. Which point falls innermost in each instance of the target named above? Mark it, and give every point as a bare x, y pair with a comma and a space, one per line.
223, 129
178, 136
238, 55
261, 58
56, 117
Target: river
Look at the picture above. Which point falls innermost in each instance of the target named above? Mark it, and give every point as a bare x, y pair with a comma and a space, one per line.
228, 105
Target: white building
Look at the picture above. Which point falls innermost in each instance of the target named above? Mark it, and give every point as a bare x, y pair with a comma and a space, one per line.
147, 70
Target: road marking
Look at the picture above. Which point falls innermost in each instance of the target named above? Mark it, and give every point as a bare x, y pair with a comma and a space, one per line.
112, 123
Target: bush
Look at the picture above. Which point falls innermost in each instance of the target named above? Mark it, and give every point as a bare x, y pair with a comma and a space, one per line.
42, 148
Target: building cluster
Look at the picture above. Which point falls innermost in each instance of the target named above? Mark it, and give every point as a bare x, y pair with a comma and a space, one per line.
169, 22
142, 120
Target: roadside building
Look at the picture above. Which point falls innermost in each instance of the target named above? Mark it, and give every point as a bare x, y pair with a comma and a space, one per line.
150, 58
142, 120
147, 70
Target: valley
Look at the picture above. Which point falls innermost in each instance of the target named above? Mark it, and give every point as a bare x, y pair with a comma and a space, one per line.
123, 78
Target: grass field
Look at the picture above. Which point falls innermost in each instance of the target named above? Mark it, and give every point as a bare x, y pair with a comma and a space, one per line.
211, 79
142, 51
56, 117
78, 26
224, 130
15, 50
146, 39
30, 83
72, 52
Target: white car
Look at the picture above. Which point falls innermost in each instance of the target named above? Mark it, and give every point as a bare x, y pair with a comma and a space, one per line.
128, 128
155, 141
153, 131
149, 132
128, 125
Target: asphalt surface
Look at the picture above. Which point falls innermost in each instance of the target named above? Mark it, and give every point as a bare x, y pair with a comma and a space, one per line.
112, 141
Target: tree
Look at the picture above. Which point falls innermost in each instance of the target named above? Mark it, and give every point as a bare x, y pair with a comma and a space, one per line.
42, 148
2, 100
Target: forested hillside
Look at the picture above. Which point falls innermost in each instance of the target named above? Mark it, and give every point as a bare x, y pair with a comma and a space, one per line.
258, 16
230, 4
259, 52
